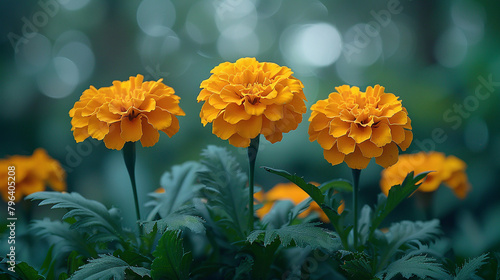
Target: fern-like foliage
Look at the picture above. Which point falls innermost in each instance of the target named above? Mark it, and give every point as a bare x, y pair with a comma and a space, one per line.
225, 189
183, 218
302, 235
411, 265
470, 267
180, 187
108, 267
171, 261
89, 216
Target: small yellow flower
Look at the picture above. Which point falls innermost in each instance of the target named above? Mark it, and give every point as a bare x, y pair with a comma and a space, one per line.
290, 191
128, 111
248, 98
355, 126
448, 170
32, 174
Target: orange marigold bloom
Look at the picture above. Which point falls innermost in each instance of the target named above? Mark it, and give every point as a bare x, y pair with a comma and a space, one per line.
448, 170
248, 98
290, 191
32, 174
128, 111
355, 126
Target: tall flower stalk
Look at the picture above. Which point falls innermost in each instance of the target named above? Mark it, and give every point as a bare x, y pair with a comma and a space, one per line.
355, 182
253, 149
129, 158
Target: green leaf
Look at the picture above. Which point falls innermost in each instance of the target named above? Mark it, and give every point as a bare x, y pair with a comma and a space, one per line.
64, 238
356, 264
470, 267
314, 192
396, 195
171, 262
407, 232
225, 188
26, 272
340, 185
307, 234
180, 188
91, 216
106, 267
175, 221
410, 265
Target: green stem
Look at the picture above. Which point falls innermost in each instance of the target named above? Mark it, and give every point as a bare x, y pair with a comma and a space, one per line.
129, 157
355, 177
252, 156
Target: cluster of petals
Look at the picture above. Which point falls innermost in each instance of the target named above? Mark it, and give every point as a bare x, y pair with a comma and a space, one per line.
127, 111
291, 192
355, 126
247, 98
31, 174
448, 170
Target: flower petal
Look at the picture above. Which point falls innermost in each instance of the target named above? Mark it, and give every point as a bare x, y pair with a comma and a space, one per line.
389, 155
381, 135
173, 128
256, 109
370, 150
235, 113
333, 156
250, 128
80, 134
159, 118
408, 138
97, 129
113, 140
223, 129
150, 135
238, 141
105, 115
360, 133
398, 133
346, 144
274, 112
131, 129
339, 127
356, 160
325, 140
400, 118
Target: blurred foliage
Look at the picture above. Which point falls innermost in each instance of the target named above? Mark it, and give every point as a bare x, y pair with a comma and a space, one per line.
440, 57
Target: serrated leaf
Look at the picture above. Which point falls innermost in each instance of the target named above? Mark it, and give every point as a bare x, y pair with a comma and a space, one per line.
410, 265
356, 264
175, 221
226, 188
180, 188
313, 191
106, 267
470, 267
26, 272
171, 262
396, 195
90, 215
307, 234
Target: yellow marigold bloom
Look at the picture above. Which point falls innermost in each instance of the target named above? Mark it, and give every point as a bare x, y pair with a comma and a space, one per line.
448, 170
355, 126
32, 174
290, 191
248, 98
128, 111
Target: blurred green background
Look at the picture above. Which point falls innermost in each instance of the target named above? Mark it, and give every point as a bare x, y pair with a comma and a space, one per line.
441, 57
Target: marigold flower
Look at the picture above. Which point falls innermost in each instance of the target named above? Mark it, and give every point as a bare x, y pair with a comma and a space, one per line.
448, 170
128, 111
248, 98
32, 174
290, 191
355, 126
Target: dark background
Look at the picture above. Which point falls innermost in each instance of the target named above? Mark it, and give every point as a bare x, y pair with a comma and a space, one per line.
433, 54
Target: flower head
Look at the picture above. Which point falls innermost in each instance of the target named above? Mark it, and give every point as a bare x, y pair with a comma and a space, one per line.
290, 191
32, 174
248, 98
448, 170
355, 126
127, 111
